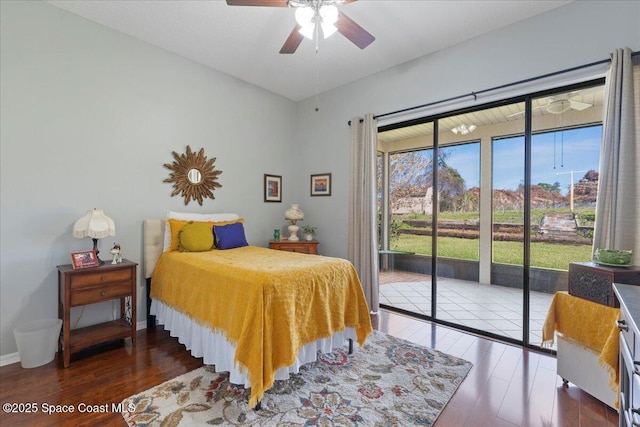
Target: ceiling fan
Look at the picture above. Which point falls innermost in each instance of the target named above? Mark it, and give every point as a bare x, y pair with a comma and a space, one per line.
559, 104
313, 16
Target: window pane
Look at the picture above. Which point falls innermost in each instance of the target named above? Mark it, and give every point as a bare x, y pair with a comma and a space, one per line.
459, 297
564, 178
405, 265
411, 200
508, 203
459, 193
565, 155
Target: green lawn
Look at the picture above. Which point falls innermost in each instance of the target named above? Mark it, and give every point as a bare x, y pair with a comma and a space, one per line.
545, 255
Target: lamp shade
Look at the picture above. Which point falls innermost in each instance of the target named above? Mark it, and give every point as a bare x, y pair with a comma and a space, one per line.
308, 31
304, 16
329, 13
328, 29
94, 224
294, 213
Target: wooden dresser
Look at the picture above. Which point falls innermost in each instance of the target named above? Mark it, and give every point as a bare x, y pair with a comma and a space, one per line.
595, 282
629, 390
300, 246
92, 285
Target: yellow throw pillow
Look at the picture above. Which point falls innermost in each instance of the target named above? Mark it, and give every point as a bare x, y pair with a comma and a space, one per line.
195, 237
175, 225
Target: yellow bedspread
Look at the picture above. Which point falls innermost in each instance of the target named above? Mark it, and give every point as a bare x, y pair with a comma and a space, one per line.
268, 303
586, 323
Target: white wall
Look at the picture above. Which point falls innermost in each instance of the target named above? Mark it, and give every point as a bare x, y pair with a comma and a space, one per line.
89, 117
580, 33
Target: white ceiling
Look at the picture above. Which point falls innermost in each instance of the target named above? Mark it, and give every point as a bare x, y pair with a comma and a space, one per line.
244, 41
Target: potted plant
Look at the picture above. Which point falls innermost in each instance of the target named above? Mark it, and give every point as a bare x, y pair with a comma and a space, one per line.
309, 232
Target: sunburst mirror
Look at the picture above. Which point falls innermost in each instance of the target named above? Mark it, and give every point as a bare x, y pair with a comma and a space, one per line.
193, 175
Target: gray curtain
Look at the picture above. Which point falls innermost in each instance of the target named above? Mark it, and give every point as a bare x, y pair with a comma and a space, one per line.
617, 223
363, 229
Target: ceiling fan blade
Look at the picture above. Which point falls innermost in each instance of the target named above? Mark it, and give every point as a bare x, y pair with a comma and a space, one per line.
266, 3
354, 32
293, 41
577, 105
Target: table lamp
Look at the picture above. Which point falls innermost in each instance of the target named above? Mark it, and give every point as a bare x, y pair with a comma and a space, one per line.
94, 224
294, 214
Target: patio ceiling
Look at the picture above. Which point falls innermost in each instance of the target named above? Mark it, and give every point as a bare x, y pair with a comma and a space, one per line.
507, 113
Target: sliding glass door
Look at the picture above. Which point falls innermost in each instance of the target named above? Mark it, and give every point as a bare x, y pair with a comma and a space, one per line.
482, 211
508, 232
565, 155
406, 245
458, 222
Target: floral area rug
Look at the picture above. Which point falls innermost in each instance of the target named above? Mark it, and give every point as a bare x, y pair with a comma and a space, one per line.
388, 382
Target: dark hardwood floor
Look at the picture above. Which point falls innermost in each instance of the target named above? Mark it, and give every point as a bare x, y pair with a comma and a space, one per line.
508, 385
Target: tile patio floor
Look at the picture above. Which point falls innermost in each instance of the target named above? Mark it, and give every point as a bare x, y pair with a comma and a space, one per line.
495, 309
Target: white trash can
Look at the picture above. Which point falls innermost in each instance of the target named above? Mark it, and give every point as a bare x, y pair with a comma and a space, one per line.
37, 341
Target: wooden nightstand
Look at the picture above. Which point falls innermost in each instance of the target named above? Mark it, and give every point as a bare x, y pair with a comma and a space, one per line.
300, 246
91, 285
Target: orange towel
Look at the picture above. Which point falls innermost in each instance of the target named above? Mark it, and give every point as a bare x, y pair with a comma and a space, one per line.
588, 324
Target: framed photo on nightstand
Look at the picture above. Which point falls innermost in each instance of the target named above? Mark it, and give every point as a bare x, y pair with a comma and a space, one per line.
84, 259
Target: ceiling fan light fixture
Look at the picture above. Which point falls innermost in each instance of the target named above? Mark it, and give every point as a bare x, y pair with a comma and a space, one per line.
304, 16
312, 17
329, 13
328, 29
308, 31
309, 16
463, 129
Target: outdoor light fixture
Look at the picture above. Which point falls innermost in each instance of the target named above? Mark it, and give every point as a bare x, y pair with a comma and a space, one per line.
463, 129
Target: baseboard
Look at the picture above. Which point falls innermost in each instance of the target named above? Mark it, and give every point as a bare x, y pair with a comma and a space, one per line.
8, 359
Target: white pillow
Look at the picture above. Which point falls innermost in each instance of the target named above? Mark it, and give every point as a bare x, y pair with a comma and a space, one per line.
187, 216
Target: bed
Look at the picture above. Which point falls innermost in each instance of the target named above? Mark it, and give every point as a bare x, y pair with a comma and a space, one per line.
257, 313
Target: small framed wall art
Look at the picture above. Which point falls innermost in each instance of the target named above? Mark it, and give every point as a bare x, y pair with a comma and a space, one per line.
321, 184
84, 259
272, 188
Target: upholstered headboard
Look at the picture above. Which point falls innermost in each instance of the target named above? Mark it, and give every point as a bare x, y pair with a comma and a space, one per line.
153, 233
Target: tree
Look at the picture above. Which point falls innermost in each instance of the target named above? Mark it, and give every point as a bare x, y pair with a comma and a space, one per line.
411, 174
555, 188
450, 186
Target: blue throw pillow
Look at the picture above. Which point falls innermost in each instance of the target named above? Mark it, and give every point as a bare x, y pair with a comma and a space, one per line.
229, 236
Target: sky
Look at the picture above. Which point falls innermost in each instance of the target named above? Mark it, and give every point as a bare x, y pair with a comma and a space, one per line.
554, 156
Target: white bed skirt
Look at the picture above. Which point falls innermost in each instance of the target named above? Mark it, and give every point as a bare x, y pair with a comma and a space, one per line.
216, 350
